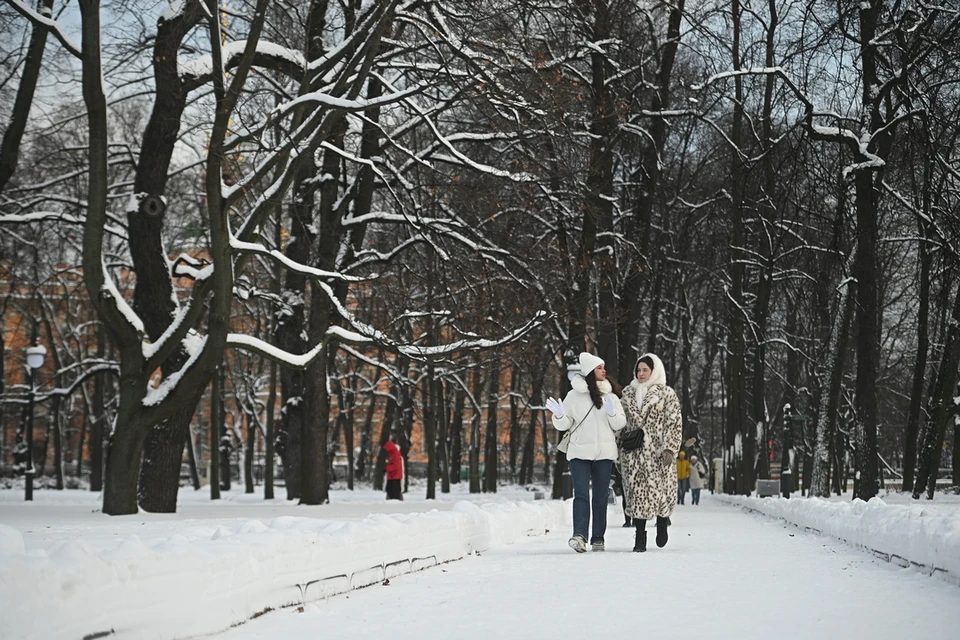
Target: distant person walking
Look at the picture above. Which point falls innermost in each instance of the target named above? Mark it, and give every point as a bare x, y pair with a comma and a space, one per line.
591, 412
698, 474
683, 476
649, 474
394, 471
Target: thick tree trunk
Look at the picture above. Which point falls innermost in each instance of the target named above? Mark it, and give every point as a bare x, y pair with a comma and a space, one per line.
123, 462
163, 457
740, 435
868, 336
314, 458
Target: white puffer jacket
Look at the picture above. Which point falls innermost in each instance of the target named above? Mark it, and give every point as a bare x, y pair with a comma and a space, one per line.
593, 440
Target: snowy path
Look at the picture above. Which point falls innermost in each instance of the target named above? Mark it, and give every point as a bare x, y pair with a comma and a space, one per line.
724, 574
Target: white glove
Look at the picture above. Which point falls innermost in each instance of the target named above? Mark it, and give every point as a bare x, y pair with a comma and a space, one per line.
556, 407
668, 457
608, 405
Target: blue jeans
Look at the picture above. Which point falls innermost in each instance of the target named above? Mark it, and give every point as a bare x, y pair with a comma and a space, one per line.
695, 495
682, 489
582, 472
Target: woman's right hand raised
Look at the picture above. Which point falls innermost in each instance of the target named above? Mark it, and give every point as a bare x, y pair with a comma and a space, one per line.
556, 407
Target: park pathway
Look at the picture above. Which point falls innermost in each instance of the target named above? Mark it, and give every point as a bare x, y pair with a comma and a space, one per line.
725, 574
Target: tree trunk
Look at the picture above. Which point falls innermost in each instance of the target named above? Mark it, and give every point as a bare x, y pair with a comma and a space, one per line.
443, 437
122, 465
491, 455
941, 409
430, 430
348, 430
192, 461
389, 416
920, 364
163, 456
514, 444
456, 435
868, 336
269, 435
99, 416
830, 394
529, 451
216, 427
23, 103
57, 442
366, 438
314, 460
248, 452
475, 432
740, 437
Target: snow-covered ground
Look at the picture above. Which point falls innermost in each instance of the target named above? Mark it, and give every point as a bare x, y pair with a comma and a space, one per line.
724, 575
67, 571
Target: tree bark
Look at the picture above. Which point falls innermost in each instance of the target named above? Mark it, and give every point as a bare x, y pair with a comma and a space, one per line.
216, 427
475, 432
10, 148
740, 436
268, 436
830, 394
941, 408
491, 455
920, 364
456, 434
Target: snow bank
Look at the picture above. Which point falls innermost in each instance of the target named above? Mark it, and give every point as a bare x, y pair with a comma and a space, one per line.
174, 587
926, 538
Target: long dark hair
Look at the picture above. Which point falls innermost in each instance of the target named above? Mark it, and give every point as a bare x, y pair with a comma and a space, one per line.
594, 390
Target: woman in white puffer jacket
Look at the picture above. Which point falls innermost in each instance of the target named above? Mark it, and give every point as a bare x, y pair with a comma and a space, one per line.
594, 413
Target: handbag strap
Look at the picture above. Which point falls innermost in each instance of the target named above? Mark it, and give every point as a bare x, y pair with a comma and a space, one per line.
570, 431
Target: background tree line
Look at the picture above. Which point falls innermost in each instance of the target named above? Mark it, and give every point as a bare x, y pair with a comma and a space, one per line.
341, 221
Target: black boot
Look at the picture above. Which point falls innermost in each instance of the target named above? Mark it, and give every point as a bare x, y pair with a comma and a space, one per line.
640, 544
662, 531
628, 521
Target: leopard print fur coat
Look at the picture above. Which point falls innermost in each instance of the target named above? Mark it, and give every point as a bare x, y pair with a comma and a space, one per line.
649, 485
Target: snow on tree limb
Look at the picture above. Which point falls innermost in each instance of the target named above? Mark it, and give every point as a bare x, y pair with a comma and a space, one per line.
48, 22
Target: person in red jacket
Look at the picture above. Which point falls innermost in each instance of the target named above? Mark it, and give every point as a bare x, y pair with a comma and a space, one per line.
394, 471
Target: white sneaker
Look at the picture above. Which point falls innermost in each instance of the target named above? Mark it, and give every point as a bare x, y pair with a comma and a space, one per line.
578, 544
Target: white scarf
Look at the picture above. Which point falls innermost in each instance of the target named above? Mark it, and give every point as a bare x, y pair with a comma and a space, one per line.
659, 376
579, 383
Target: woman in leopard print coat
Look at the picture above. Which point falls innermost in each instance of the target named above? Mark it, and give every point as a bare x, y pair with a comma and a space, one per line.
649, 474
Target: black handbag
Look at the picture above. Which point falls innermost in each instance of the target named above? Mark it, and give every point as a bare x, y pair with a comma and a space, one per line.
632, 440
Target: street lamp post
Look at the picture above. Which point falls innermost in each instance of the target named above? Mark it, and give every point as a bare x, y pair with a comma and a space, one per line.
35, 356
786, 466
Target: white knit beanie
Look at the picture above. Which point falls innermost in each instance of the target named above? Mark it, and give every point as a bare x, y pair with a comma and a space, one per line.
589, 362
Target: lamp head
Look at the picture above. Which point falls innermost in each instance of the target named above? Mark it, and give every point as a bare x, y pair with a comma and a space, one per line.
35, 356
